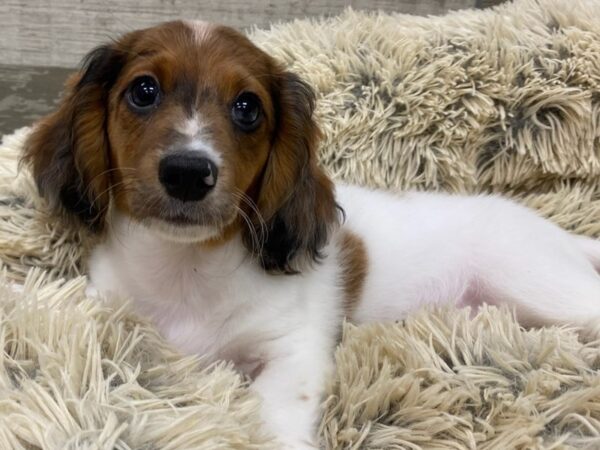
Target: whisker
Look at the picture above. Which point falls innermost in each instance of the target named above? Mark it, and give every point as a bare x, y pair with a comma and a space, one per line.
252, 205
89, 184
255, 251
113, 169
120, 183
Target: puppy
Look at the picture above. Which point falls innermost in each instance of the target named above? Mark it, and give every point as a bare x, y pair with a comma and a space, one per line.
191, 153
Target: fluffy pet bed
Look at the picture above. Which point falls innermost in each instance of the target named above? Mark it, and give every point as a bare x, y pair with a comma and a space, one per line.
503, 100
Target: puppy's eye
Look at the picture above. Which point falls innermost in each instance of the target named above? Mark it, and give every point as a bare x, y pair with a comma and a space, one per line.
144, 93
246, 111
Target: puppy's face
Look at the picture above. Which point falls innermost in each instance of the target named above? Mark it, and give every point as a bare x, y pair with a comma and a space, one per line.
194, 132
190, 121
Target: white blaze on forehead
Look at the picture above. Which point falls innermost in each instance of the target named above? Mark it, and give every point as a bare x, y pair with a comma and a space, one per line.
198, 139
190, 127
200, 28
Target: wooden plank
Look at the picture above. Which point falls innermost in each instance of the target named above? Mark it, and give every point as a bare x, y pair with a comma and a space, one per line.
60, 32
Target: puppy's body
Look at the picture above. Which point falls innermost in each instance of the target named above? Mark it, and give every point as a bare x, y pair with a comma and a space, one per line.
193, 154
219, 303
419, 248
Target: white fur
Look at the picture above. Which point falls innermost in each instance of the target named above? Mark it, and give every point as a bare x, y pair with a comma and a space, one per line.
190, 127
188, 234
422, 248
201, 145
201, 29
198, 141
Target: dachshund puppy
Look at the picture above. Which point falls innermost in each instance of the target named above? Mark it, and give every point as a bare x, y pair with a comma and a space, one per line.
191, 153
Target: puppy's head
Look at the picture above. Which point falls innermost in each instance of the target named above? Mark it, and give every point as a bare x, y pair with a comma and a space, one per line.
192, 131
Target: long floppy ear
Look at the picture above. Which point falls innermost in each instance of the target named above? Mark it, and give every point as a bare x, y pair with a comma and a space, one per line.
296, 199
68, 150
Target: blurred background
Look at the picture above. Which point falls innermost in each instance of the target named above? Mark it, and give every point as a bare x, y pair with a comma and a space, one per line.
41, 41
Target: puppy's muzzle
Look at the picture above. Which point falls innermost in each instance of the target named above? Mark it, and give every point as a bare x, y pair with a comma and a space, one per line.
187, 176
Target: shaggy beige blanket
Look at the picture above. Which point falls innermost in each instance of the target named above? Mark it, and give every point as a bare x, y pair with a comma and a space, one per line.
504, 100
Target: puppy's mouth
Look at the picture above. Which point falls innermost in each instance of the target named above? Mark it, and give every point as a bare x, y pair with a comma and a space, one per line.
184, 233
195, 224
175, 219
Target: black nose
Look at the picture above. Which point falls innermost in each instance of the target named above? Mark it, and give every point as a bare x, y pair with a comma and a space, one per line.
187, 176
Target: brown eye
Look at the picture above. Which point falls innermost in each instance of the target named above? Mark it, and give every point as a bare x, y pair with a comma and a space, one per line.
246, 111
143, 94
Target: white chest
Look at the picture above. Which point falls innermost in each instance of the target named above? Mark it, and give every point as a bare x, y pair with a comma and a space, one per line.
218, 304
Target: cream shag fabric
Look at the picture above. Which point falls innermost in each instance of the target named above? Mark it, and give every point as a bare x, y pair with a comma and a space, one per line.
504, 100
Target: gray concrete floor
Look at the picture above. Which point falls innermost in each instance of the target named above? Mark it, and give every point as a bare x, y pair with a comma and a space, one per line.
28, 93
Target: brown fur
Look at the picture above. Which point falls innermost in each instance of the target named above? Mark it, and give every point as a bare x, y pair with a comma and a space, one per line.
354, 261
68, 154
96, 143
296, 198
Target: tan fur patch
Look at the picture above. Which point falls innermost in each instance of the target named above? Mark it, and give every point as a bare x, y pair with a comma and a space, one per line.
354, 261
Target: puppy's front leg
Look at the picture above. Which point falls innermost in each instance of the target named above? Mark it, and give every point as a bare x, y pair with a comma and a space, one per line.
291, 386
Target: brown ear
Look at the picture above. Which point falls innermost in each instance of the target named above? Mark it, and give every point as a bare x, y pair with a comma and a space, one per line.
68, 150
296, 199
